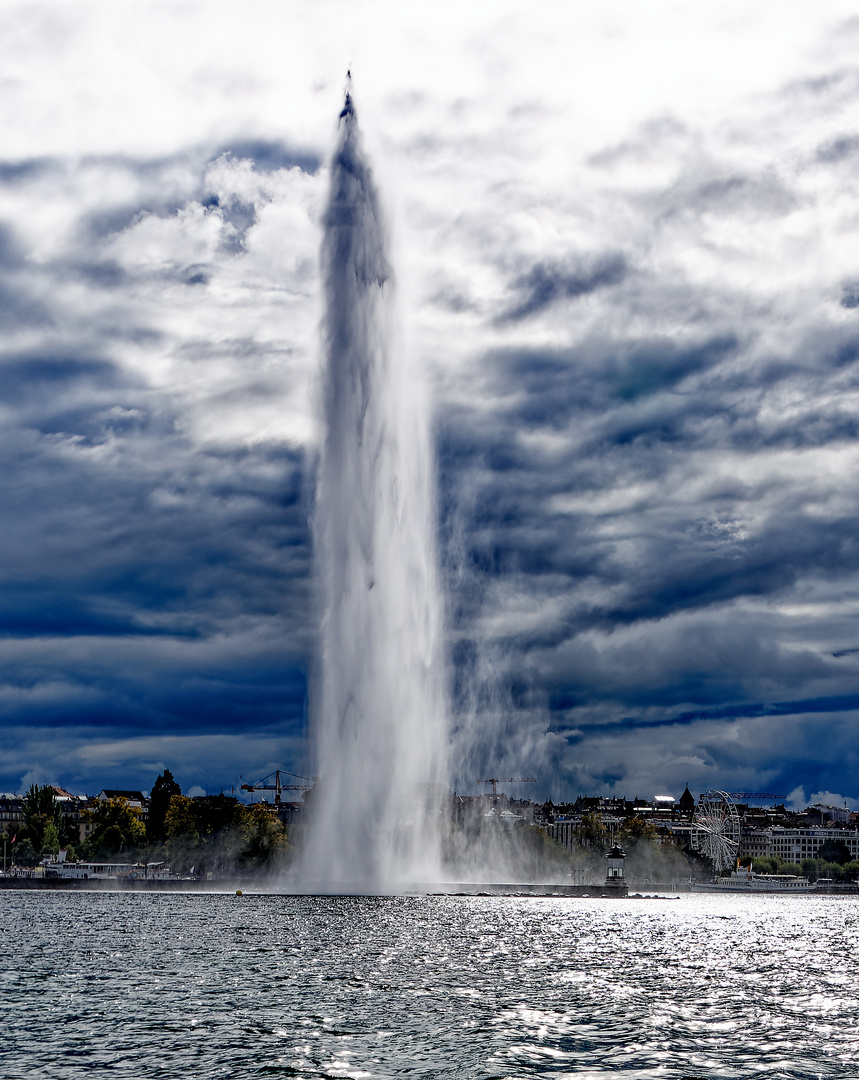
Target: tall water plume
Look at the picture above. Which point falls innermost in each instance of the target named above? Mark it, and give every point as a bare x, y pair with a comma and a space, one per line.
378, 708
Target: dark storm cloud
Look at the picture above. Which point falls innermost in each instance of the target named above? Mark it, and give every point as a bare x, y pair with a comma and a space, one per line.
19, 172
33, 610
152, 585
11, 256
705, 188
838, 150
790, 548
17, 309
43, 381
554, 387
603, 398
105, 274
850, 295
18, 305
630, 502
248, 696
547, 282
240, 215
843, 703
166, 184
766, 753
216, 574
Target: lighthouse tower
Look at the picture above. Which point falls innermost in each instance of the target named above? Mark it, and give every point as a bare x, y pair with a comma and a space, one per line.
614, 878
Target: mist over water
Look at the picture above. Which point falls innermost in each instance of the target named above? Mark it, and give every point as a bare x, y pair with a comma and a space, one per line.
378, 700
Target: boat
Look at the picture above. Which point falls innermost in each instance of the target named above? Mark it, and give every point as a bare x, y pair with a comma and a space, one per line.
105, 871
745, 880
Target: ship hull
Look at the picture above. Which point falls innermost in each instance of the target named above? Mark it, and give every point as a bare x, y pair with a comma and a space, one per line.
744, 880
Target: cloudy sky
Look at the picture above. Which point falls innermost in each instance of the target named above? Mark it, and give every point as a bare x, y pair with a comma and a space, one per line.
625, 238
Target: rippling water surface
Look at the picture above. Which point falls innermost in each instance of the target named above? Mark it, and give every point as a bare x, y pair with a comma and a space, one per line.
208, 985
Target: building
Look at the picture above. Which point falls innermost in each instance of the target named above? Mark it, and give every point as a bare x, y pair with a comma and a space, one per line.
686, 804
73, 808
755, 842
566, 830
11, 813
820, 814
796, 844
664, 806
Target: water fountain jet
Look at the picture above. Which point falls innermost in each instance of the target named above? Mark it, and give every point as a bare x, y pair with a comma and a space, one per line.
378, 702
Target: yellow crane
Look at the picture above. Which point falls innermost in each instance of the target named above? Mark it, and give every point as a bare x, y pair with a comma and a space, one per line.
277, 787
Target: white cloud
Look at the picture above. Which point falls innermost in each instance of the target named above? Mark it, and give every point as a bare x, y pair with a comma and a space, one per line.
830, 798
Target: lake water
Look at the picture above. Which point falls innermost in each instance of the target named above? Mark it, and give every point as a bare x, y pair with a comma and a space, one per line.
216, 985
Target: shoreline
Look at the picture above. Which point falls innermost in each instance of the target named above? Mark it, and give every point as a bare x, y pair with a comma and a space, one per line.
244, 886
458, 888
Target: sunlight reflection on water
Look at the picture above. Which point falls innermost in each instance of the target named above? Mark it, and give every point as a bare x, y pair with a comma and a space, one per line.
215, 985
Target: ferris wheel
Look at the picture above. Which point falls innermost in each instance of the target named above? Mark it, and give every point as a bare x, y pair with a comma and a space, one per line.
718, 820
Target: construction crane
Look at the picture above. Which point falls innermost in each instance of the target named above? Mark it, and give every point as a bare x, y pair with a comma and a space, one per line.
495, 781
277, 787
755, 795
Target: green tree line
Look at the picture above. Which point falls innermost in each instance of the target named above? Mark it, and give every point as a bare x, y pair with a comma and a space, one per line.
833, 861
44, 829
215, 834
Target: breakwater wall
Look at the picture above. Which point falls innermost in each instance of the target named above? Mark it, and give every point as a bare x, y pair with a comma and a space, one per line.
459, 888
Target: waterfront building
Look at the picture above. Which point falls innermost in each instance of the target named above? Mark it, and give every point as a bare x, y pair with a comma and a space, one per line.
73, 808
755, 842
796, 844
788, 843
11, 812
567, 830
683, 834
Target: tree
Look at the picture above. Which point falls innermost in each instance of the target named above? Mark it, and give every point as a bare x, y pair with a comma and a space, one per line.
24, 854
810, 869
204, 817
590, 832
51, 840
216, 834
41, 810
833, 849
217, 813
264, 837
116, 828
163, 790
635, 831
180, 819
181, 827
851, 870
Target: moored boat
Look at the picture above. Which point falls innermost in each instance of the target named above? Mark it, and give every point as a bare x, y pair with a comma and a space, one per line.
745, 880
